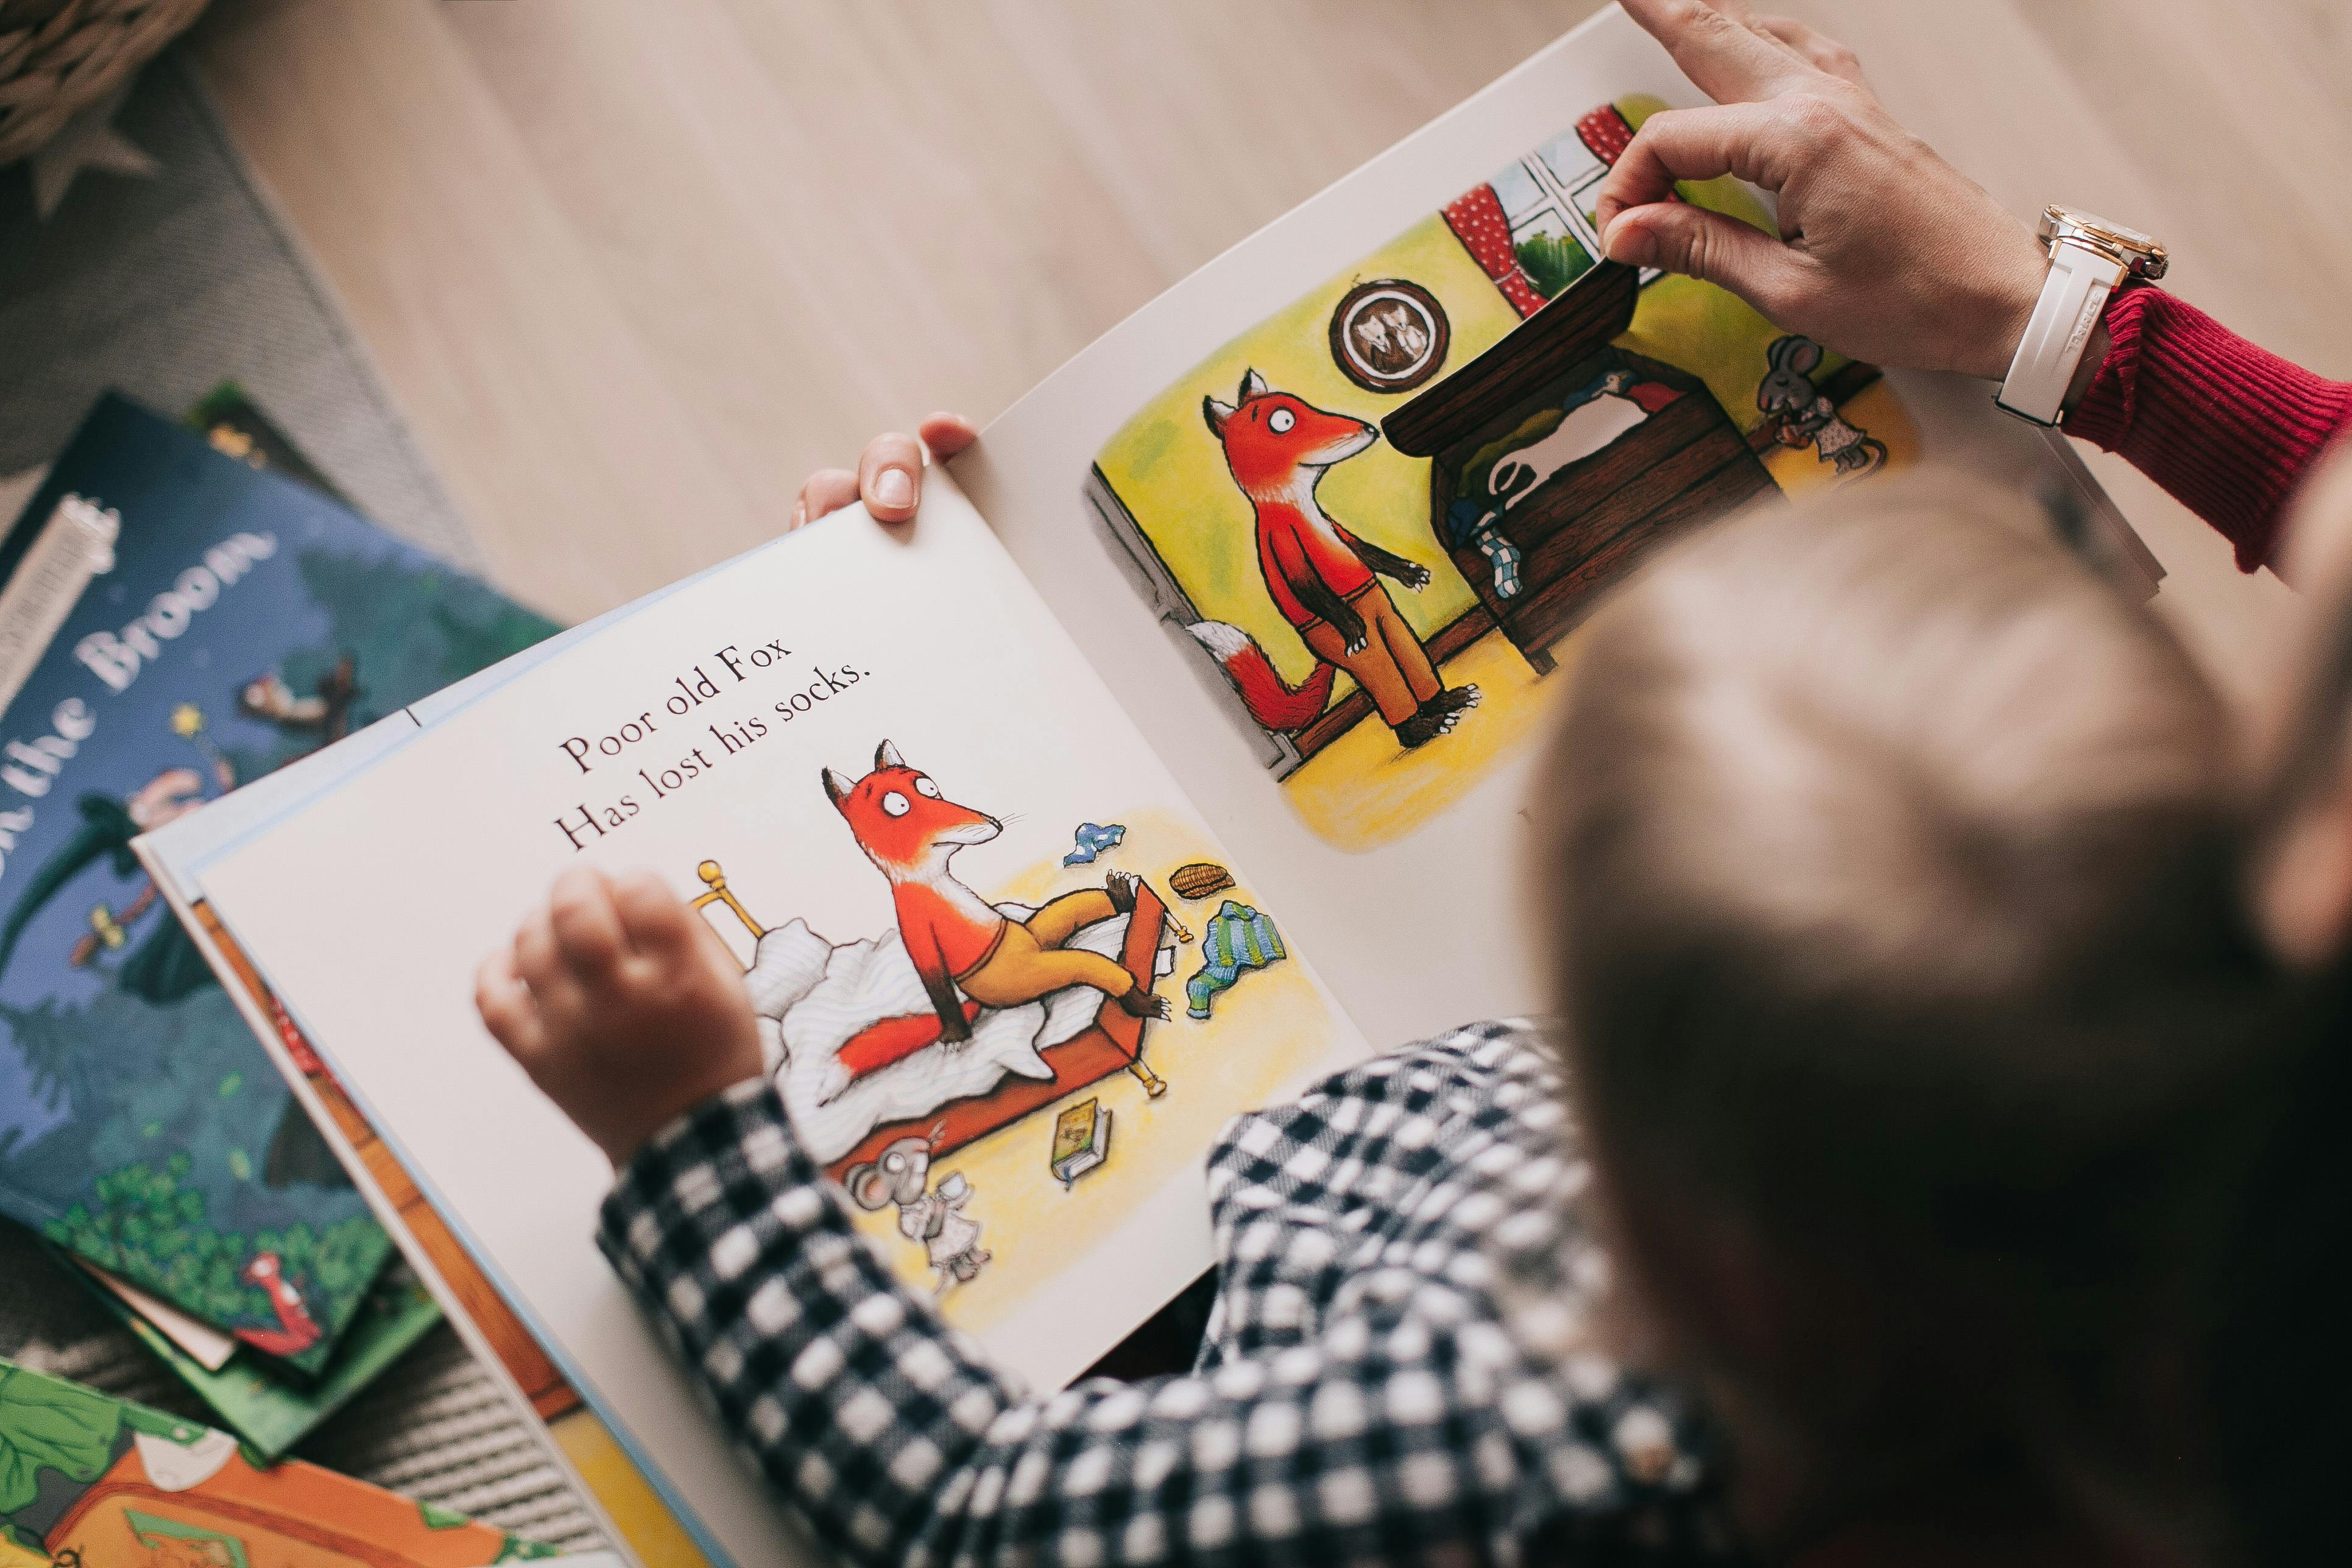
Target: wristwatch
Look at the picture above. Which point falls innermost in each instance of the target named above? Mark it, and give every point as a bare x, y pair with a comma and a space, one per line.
2089, 260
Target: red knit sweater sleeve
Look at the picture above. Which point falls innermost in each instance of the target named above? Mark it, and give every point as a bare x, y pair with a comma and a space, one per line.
2228, 428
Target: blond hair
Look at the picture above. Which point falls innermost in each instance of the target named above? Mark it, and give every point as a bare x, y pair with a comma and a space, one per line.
1886, 853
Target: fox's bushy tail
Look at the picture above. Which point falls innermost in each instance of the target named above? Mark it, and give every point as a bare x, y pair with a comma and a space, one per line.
881, 1043
1271, 701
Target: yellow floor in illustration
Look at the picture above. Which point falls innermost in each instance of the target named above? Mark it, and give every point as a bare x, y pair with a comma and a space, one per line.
1878, 414
1363, 790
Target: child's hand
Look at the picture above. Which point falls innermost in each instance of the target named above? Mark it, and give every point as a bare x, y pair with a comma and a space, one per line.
624, 1008
890, 478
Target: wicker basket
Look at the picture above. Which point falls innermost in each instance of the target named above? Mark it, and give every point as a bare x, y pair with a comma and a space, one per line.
60, 56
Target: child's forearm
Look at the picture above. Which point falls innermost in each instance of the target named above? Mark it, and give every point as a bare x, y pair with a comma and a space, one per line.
856, 1401
897, 1441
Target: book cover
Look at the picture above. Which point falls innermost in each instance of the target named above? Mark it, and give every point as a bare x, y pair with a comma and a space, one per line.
235, 426
242, 621
269, 1413
91, 1479
1081, 1141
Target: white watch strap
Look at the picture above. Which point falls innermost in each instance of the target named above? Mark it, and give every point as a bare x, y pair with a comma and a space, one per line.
2072, 301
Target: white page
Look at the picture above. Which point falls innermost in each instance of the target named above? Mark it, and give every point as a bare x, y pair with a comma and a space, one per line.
369, 907
1424, 931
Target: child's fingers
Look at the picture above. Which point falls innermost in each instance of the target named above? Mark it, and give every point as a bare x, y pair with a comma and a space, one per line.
890, 477
563, 1004
827, 490
947, 433
536, 957
587, 928
506, 1008
654, 921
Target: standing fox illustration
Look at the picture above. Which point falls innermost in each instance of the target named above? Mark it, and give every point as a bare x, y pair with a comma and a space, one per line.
1321, 578
962, 945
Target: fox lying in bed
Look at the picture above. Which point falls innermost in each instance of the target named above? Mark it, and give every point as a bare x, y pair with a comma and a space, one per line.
961, 945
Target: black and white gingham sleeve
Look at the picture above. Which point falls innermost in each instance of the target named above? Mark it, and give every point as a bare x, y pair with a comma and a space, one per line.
1389, 1438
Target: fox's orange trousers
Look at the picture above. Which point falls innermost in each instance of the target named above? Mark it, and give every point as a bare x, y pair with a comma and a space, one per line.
1391, 666
1030, 961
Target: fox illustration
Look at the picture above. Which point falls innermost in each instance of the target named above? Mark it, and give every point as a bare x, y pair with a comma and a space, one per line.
962, 946
297, 1331
1324, 580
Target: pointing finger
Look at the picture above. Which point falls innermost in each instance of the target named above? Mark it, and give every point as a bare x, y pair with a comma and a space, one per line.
1729, 61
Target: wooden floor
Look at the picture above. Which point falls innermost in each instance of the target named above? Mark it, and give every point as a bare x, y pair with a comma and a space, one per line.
632, 267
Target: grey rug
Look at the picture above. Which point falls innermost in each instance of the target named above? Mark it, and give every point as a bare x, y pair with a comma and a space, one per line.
162, 287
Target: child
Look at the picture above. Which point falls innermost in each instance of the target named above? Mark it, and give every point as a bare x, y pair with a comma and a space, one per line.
2281, 1369
1872, 830
1915, 1021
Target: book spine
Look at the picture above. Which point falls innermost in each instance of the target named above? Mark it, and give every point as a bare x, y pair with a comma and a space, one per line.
74, 546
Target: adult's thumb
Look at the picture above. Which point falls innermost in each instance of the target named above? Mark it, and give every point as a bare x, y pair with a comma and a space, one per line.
1679, 238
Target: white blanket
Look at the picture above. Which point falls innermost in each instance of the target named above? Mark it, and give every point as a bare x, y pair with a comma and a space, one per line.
814, 997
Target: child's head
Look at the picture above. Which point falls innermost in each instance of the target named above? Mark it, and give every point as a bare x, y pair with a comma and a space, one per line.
1886, 853
2281, 1368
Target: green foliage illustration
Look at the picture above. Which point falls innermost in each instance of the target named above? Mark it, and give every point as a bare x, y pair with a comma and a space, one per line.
154, 1231
48, 1424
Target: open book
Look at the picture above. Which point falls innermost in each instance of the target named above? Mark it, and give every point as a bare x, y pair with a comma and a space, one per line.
1206, 692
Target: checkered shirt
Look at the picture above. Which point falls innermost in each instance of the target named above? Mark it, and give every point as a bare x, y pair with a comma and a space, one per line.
1391, 1372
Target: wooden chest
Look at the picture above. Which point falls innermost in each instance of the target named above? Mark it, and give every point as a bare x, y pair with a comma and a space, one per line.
1559, 460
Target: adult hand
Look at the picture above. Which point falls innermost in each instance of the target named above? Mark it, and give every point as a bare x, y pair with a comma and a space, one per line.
1885, 253
889, 477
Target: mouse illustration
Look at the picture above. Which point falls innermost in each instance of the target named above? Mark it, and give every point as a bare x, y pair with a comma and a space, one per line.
1799, 415
901, 1175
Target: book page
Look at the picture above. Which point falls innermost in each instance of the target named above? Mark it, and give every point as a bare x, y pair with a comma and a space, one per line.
912, 674
1328, 513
